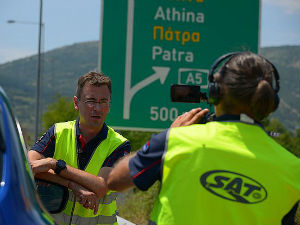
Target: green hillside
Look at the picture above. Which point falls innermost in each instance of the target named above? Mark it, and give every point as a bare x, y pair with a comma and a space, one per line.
63, 66
287, 61
60, 71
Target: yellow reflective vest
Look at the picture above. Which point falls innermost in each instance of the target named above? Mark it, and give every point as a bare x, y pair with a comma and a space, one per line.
65, 148
226, 173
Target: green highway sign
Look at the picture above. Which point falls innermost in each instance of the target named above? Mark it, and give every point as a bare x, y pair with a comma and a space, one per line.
148, 45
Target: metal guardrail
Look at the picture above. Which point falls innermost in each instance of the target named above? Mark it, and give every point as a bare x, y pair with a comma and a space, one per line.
122, 221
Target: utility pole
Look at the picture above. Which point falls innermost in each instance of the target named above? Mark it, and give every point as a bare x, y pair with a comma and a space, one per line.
38, 85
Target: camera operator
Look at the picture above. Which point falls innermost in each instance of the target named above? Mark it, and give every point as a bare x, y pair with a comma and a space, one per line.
228, 171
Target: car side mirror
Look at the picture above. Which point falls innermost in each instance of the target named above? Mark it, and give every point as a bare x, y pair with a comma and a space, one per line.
53, 196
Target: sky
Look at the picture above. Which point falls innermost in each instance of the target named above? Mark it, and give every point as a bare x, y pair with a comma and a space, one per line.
73, 21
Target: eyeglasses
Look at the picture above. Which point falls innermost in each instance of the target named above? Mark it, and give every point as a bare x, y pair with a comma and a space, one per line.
92, 103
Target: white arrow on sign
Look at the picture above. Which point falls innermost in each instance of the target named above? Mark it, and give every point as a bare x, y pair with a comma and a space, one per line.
160, 72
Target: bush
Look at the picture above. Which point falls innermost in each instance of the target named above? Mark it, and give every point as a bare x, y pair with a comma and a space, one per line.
136, 206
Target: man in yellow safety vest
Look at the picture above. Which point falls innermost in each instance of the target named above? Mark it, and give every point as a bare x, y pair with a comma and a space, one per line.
79, 154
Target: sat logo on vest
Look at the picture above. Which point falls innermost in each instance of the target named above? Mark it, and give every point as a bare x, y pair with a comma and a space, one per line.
233, 186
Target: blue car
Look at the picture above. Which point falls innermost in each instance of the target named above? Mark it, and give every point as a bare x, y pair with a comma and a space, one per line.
20, 202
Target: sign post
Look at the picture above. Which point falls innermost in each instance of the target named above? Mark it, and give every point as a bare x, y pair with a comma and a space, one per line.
146, 46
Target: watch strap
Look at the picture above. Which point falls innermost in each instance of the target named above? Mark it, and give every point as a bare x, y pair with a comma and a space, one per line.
60, 165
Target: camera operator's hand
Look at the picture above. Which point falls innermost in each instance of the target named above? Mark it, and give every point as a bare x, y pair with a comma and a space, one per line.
191, 117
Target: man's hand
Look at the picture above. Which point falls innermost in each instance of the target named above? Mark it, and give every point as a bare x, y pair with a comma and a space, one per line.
42, 165
85, 197
191, 117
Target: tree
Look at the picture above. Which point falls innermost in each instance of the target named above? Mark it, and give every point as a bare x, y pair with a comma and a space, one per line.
287, 139
59, 111
137, 138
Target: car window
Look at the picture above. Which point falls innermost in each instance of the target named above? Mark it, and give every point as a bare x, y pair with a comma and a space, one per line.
53, 196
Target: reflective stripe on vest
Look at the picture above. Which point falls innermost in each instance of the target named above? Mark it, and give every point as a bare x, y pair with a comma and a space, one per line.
225, 173
86, 220
65, 148
107, 199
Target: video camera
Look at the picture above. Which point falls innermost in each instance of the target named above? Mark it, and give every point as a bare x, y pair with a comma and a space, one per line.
187, 93
190, 94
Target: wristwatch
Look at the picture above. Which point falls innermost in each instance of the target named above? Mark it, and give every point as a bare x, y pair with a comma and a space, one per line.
60, 165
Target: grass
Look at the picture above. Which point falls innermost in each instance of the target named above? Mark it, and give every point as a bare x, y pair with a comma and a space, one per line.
136, 206
297, 219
